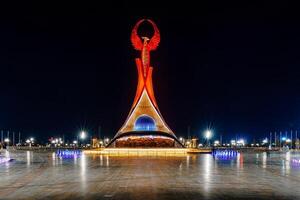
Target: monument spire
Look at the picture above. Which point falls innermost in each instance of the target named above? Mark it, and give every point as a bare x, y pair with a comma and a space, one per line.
145, 125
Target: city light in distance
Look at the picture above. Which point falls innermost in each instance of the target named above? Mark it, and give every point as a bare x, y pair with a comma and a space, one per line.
6, 140
265, 141
216, 143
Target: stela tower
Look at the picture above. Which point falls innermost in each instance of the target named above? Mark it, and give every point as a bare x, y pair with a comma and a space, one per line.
145, 126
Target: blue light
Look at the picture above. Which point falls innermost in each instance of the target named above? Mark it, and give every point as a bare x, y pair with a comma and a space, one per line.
68, 153
283, 138
144, 123
225, 154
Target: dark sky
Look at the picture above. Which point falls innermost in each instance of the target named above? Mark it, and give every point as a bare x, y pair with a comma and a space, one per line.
234, 67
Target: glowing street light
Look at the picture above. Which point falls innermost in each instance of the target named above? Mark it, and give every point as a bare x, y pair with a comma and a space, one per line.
30, 141
208, 134
82, 135
6, 140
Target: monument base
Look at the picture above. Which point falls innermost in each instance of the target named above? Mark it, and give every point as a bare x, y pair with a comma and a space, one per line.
140, 151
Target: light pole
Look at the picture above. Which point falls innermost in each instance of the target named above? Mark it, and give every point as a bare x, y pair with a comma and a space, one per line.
30, 141
6, 140
83, 135
208, 135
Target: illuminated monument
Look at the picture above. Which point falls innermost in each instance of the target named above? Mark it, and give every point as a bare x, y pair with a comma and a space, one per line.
145, 126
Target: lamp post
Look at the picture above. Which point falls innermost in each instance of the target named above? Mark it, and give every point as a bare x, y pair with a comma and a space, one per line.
6, 140
30, 142
82, 135
208, 135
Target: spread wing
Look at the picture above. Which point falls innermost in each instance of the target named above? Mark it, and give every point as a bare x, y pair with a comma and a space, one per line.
135, 39
154, 41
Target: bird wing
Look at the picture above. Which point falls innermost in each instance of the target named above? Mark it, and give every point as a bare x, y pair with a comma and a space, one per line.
154, 41
135, 39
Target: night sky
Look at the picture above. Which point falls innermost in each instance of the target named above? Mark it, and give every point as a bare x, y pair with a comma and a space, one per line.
233, 67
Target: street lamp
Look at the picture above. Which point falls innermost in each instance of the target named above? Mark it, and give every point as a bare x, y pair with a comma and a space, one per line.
208, 135
82, 135
6, 140
30, 141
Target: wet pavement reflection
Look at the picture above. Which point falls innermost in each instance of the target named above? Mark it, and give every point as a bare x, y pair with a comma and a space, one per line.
89, 176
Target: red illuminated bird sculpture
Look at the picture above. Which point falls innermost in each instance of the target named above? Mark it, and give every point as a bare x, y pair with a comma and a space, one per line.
144, 44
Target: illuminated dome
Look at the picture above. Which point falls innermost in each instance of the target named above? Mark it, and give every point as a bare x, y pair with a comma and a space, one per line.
144, 123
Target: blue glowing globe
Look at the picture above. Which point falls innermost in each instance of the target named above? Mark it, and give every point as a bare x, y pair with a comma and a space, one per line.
144, 123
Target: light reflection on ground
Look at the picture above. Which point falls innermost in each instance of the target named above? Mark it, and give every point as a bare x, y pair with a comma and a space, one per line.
247, 175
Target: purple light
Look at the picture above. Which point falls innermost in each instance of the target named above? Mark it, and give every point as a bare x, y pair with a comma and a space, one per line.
296, 161
4, 160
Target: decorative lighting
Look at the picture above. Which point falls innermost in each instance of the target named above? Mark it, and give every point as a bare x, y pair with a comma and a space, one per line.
225, 154
68, 153
140, 151
296, 161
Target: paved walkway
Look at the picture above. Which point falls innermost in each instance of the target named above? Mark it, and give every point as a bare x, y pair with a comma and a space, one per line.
249, 176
